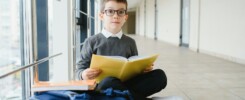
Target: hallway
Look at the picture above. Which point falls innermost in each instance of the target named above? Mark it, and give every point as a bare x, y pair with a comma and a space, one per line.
195, 76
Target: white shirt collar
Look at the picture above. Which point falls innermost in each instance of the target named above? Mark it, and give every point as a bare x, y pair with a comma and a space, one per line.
108, 34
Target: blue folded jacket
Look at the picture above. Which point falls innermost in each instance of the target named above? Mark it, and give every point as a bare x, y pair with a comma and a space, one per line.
108, 94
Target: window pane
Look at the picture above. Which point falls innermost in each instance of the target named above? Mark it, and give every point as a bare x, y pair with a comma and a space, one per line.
10, 57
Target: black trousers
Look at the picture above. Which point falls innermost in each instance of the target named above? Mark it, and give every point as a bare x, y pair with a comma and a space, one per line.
140, 86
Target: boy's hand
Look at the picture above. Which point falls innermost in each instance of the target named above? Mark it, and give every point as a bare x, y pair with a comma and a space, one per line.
90, 73
148, 69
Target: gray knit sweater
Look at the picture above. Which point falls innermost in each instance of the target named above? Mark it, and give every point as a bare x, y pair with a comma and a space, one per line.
100, 45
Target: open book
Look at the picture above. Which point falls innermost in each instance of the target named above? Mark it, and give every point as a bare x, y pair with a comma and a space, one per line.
70, 85
121, 67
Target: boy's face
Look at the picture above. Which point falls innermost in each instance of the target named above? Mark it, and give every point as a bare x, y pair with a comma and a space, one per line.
114, 16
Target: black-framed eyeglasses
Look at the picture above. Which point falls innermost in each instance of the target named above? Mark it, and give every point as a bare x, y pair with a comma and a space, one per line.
111, 12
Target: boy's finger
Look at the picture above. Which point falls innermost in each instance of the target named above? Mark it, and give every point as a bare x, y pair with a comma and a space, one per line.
149, 68
145, 71
94, 70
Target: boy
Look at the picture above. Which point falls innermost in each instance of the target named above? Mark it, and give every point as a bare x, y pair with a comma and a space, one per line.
112, 42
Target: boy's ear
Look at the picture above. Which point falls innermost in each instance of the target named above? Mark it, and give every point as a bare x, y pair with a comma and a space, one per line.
126, 17
101, 17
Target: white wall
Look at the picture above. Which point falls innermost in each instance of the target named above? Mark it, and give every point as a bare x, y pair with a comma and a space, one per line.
150, 18
137, 21
222, 31
194, 25
141, 19
169, 21
168, 25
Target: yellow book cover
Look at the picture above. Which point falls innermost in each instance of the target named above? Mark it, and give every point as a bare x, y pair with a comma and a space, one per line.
121, 67
69, 85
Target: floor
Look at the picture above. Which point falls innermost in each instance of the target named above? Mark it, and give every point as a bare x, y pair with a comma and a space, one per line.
194, 76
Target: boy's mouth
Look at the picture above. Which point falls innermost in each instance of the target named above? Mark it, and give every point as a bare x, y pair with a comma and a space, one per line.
116, 22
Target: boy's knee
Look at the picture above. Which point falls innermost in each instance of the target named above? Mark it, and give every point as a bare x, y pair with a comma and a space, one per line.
161, 78
110, 82
110, 79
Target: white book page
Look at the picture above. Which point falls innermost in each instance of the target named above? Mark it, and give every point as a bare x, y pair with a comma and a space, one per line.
132, 58
117, 57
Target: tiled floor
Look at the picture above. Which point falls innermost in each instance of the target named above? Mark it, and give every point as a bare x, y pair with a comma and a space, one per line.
195, 76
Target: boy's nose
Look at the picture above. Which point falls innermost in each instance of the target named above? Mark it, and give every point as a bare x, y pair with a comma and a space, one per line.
115, 15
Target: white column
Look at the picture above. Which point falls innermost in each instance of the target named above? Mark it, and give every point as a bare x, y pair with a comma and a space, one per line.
61, 31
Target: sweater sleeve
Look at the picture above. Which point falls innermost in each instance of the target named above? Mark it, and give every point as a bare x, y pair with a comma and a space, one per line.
134, 48
86, 55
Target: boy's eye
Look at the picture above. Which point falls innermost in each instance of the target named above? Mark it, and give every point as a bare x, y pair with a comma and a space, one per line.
121, 12
110, 11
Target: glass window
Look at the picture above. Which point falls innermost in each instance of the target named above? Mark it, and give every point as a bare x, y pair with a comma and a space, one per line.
4, 5
10, 57
87, 17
